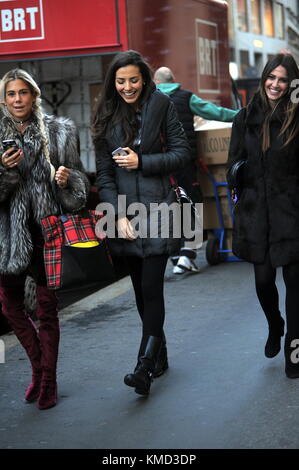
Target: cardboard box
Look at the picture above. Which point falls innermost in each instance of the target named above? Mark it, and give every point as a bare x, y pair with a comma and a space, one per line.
218, 172
210, 214
213, 144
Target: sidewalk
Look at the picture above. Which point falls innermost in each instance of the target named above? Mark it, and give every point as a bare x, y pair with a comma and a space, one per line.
220, 391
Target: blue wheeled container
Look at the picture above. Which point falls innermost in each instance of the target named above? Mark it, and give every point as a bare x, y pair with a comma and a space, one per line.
216, 251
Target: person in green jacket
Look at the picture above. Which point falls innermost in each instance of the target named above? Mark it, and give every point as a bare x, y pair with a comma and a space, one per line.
189, 105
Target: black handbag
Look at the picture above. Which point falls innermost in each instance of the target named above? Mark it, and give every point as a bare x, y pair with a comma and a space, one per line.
83, 266
235, 174
235, 178
194, 219
73, 254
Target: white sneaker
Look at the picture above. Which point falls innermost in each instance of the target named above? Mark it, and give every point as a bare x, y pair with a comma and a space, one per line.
174, 260
178, 270
187, 264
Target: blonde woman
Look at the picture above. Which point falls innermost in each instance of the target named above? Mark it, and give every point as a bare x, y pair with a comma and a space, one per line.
40, 150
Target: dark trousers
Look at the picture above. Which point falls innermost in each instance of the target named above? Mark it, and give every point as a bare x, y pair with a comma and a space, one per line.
147, 276
265, 276
42, 345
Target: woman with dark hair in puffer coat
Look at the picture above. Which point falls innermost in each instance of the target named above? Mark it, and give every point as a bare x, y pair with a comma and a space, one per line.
133, 115
265, 135
42, 148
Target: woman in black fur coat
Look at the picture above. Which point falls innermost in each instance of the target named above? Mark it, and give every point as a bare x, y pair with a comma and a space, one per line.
45, 148
265, 135
134, 115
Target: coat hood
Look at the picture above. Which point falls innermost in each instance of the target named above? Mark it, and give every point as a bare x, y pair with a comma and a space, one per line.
168, 88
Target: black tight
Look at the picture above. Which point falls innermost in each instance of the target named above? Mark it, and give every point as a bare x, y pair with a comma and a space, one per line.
147, 276
266, 290
267, 293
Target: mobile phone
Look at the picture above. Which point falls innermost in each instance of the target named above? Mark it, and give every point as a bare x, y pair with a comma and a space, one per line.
9, 143
119, 151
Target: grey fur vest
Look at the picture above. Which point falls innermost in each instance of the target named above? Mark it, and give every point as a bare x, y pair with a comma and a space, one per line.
26, 191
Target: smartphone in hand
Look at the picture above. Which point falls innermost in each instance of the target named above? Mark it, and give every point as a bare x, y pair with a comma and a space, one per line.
119, 151
9, 143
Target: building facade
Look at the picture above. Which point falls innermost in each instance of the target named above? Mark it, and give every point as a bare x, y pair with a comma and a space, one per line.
67, 46
259, 29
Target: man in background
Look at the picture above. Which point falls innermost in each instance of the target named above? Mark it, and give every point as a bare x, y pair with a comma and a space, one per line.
189, 105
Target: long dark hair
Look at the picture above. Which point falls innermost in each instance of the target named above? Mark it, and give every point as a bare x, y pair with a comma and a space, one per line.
290, 125
112, 109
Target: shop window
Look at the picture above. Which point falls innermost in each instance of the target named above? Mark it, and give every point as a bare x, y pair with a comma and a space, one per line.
279, 20
258, 62
293, 38
256, 26
242, 15
244, 63
269, 26
232, 54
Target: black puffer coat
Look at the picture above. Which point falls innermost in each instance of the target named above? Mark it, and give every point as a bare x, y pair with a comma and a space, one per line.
266, 216
151, 183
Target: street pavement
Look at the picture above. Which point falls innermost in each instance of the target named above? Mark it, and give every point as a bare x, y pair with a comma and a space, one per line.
220, 392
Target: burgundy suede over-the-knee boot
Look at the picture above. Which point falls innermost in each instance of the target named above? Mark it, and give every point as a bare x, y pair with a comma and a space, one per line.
12, 299
49, 334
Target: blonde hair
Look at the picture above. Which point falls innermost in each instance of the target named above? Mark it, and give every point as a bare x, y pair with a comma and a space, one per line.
19, 74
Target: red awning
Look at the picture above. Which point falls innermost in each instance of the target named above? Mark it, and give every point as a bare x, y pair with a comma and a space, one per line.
45, 28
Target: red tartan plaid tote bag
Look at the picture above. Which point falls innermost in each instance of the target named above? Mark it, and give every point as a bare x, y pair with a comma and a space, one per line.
73, 254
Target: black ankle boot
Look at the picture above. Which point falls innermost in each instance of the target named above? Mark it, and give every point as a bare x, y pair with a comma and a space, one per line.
161, 364
141, 379
276, 331
291, 359
162, 360
129, 378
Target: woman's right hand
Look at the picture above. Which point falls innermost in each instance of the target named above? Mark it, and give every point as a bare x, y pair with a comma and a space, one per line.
9, 159
125, 229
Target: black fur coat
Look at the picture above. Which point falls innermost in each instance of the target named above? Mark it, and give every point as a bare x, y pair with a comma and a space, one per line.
26, 191
266, 217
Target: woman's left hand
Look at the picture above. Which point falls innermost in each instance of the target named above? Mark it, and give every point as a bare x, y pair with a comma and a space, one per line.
129, 161
62, 176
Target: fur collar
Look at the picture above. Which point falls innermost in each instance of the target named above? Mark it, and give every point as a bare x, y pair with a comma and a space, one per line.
26, 191
256, 113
